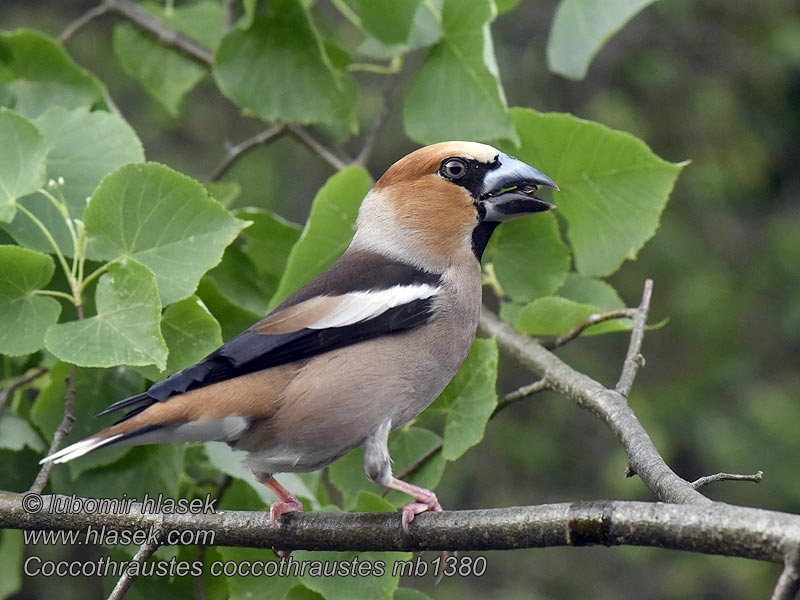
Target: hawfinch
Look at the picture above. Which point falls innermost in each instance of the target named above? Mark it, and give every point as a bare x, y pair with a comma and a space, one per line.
363, 348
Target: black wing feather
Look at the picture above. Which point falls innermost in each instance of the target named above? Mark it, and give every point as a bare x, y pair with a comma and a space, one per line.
251, 351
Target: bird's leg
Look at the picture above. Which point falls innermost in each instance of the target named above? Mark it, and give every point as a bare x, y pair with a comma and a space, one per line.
425, 500
287, 502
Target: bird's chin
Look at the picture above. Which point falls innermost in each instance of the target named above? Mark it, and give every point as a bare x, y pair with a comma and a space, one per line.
512, 204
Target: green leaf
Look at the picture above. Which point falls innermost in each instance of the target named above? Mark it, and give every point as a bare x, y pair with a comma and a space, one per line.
22, 154
237, 279
232, 318
126, 329
154, 469
190, 331
16, 433
410, 594
426, 30
95, 389
581, 28
268, 241
613, 188
469, 400
24, 317
224, 192
278, 70
459, 81
552, 316
373, 581
162, 219
40, 74
166, 75
590, 291
406, 445
328, 230
84, 147
529, 258
372, 502
12, 551
388, 20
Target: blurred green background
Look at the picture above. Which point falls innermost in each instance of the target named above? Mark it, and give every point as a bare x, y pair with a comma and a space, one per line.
713, 81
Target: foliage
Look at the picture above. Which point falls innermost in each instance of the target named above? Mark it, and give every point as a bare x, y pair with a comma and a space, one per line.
163, 271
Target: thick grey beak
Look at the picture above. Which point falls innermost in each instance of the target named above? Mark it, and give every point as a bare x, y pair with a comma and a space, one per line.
508, 190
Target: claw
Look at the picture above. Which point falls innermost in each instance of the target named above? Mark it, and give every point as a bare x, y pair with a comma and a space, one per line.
287, 503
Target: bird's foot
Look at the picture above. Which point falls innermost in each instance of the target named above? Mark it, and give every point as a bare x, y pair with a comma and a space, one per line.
287, 502
283, 506
424, 500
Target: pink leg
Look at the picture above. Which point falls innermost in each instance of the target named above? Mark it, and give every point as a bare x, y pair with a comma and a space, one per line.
425, 500
287, 502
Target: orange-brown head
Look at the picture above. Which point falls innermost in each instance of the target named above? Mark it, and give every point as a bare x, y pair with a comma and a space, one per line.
443, 199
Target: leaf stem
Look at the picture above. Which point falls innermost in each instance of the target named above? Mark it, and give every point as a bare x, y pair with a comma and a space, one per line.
67, 271
95, 274
55, 294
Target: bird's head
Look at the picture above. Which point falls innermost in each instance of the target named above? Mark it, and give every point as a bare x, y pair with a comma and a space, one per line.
445, 199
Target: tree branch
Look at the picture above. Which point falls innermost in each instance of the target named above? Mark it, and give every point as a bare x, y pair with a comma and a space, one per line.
151, 24
634, 360
387, 90
81, 22
235, 152
127, 580
703, 481
520, 394
622, 313
714, 529
18, 382
318, 148
788, 584
609, 405
63, 428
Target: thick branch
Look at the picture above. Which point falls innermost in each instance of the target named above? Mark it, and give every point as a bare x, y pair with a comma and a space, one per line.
719, 529
609, 405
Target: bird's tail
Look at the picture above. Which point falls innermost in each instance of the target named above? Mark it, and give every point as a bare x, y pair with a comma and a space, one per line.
111, 435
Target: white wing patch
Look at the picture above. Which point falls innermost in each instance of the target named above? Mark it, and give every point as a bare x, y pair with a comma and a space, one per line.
356, 307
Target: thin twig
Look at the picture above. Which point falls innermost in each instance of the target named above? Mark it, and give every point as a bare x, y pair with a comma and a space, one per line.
520, 394
320, 149
18, 382
634, 359
64, 427
414, 466
126, 581
235, 152
788, 584
167, 36
703, 481
387, 91
621, 313
230, 13
79, 23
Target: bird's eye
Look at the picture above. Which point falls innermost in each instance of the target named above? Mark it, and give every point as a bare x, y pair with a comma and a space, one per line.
454, 168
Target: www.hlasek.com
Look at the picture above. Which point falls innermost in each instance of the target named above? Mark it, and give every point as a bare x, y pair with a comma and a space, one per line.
451, 566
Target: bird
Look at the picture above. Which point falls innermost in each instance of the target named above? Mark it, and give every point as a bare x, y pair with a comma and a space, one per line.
363, 348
